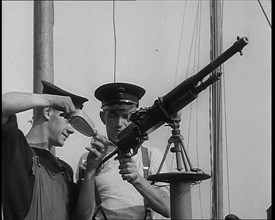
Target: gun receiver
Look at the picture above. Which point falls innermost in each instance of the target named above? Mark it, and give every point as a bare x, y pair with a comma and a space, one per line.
146, 120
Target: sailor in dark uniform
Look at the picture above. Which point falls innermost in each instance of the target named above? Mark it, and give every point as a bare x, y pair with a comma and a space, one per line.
35, 184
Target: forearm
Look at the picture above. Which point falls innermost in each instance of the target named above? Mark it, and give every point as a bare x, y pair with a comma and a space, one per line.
86, 203
86, 200
15, 102
156, 198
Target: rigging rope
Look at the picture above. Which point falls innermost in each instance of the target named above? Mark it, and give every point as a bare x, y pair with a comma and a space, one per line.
192, 43
53, 11
114, 27
211, 148
264, 13
197, 107
179, 50
225, 131
226, 145
183, 16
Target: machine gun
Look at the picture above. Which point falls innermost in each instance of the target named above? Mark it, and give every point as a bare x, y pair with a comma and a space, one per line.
145, 120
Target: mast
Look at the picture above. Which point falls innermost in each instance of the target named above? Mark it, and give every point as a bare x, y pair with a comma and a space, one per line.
43, 68
216, 38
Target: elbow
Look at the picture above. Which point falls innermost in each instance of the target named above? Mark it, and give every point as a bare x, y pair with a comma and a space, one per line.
166, 212
83, 212
82, 216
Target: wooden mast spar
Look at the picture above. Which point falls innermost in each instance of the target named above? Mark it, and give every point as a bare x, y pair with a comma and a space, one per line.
43, 68
216, 38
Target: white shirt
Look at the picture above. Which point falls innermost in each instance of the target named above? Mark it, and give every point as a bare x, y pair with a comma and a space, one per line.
120, 200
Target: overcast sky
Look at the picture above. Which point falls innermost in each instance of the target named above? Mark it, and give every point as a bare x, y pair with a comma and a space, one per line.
153, 53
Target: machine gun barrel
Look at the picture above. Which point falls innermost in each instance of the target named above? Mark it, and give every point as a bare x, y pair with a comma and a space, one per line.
171, 103
146, 121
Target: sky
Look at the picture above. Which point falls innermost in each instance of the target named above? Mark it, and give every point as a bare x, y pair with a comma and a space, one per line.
154, 50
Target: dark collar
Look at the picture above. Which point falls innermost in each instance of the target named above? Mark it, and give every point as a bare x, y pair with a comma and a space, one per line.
48, 160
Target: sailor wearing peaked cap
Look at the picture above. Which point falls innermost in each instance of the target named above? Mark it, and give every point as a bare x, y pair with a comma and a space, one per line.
119, 100
49, 88
119, 95
43, 182
121, 186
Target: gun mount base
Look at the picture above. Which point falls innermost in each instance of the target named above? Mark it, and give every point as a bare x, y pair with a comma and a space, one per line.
180, 191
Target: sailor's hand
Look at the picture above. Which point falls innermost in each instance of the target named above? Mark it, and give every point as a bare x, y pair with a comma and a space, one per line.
128, 169
61, 103
97, 150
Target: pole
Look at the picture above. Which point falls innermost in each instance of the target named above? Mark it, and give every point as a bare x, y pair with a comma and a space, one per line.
180, 198
216, 106
43, 68
180, 191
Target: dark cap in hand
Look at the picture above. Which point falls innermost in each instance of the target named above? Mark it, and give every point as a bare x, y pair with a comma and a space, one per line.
49, 88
